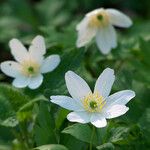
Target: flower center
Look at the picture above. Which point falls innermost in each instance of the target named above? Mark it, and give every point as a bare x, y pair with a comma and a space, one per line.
100, 17
93, 105
93, 102
30, 68
98, 20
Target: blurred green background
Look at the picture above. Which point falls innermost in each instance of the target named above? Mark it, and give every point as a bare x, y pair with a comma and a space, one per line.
56, 21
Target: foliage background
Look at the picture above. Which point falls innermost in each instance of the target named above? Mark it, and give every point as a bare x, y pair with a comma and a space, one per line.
28, 120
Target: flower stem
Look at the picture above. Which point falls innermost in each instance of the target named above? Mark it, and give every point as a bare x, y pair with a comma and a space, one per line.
92, 136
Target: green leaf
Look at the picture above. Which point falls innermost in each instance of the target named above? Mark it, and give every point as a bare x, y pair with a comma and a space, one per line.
9, 122
125, 135
60, 117
12, 105
5, 147
144, 47
31, 103
7, 31
82, 132
142, 61
144, 122
24, 12
51, 147
11, 100
71, 142
45, 126
106, 146
14, 96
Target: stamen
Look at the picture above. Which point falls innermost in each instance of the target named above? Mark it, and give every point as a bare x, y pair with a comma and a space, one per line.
93, 102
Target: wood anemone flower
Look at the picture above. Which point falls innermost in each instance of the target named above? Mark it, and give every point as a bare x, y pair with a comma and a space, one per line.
94, 107
29, 65
99, 24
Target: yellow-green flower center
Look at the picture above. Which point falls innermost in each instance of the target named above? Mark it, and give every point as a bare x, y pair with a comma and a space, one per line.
30, 68
100, 17
99, 20
93, 102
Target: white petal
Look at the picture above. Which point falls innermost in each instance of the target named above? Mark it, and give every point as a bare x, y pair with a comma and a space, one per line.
115, 111
98, 120
104, 82
50, 63
67, 103
94, 12
37, 57
76, 86
81, 117
119, 19
85, 33
18, 50
38, 46
10, 68
35, 82
120, 98
106, 39
83, 23
21, 81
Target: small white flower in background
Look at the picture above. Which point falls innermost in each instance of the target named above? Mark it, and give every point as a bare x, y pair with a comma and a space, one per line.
99, 23
29, 65
93, 107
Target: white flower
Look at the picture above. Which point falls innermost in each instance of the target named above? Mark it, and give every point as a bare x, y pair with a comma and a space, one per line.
93, 107
29, 65
99, 23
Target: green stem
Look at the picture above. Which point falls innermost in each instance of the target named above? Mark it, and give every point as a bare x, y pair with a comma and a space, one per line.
92, 136
23, 138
